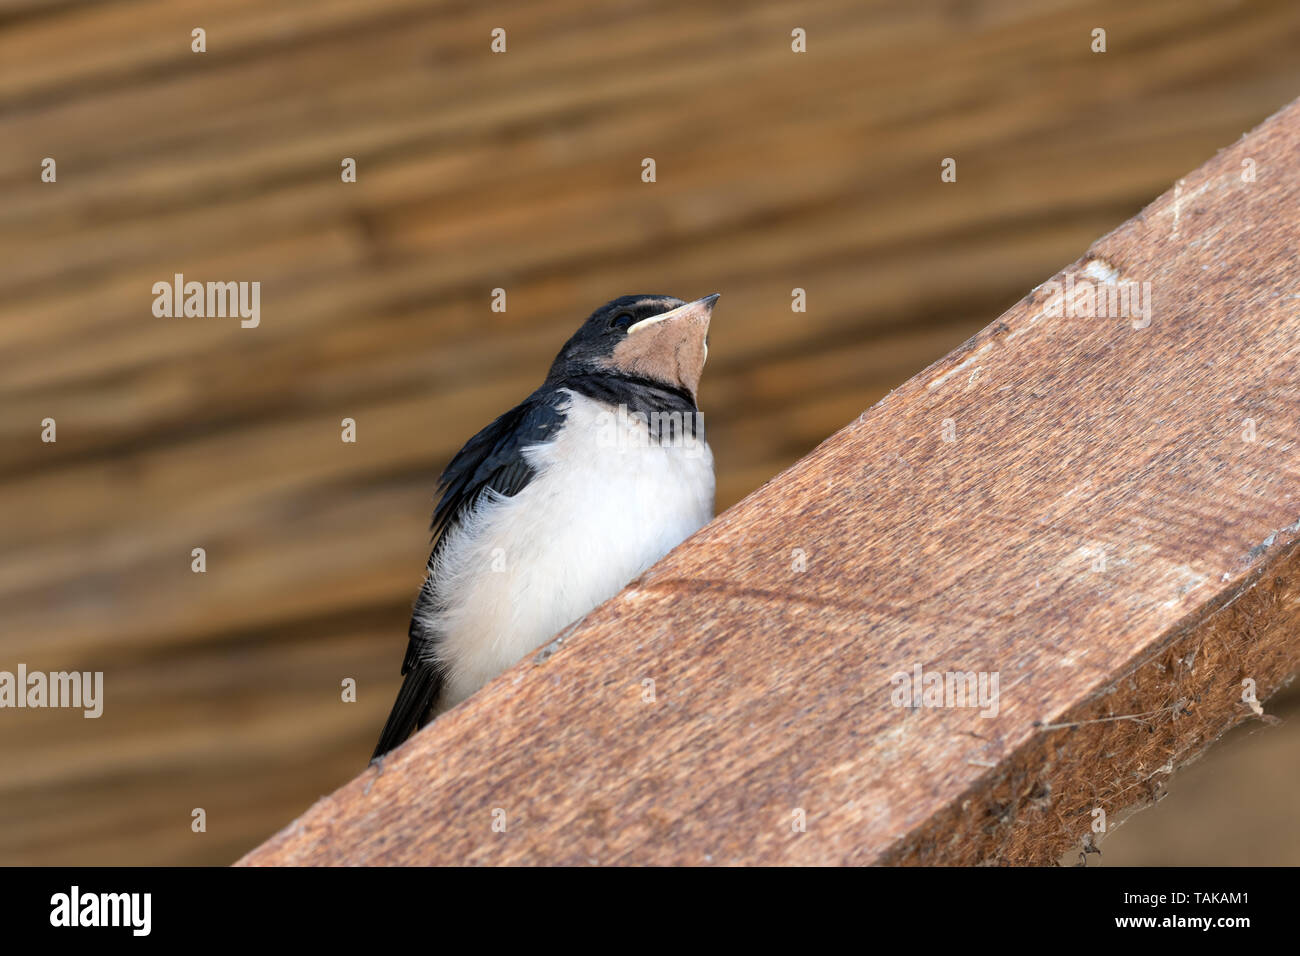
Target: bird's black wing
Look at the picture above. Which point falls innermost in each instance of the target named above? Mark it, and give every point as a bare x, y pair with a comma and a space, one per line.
492, 460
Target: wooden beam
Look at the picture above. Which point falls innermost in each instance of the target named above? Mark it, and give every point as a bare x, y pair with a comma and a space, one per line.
1102, 512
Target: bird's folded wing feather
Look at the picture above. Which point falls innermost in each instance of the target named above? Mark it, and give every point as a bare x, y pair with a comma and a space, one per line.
491, 461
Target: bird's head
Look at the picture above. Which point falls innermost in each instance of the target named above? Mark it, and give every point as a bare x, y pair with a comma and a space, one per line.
651, 337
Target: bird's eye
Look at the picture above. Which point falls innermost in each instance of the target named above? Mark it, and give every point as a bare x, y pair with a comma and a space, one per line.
623, 320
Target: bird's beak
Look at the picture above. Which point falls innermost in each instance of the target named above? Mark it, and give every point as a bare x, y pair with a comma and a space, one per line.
697, 313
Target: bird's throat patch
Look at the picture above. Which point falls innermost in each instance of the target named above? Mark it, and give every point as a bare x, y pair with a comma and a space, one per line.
672, 351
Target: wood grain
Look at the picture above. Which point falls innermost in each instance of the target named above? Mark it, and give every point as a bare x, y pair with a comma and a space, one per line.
1114, 530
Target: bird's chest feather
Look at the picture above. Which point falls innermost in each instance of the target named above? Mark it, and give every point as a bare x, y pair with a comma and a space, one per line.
605, 503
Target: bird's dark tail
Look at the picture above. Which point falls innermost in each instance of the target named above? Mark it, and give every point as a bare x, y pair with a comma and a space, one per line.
421, 686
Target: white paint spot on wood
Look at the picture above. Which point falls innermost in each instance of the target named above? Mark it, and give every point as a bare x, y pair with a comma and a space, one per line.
963, 365
1101, 271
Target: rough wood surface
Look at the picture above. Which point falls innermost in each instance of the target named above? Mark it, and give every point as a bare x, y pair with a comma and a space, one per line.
1114, 530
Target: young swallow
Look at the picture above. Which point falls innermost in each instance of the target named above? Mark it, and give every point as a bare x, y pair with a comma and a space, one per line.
560, 502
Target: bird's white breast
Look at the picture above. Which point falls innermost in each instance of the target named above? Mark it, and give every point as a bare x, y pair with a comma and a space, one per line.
605, 504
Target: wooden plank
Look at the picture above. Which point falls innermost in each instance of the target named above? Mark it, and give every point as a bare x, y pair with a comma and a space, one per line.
1113, 530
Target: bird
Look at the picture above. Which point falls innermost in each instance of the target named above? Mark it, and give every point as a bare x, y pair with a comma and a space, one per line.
560, 502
